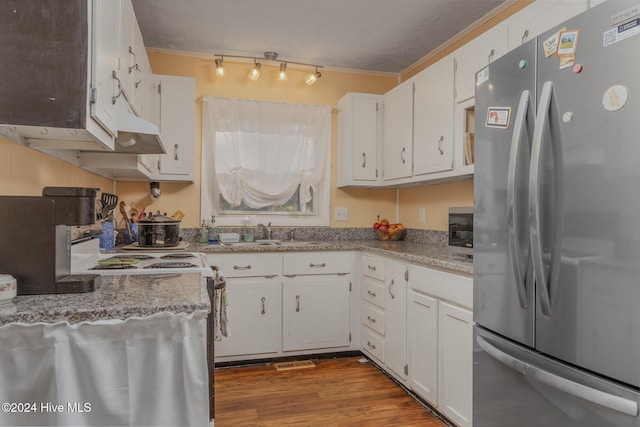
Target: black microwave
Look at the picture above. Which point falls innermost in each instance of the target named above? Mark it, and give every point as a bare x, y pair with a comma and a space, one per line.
461, 230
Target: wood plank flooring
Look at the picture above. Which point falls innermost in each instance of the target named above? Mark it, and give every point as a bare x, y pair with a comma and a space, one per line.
337, 392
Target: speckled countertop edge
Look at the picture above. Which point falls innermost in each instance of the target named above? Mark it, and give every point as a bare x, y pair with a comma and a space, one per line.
430, 255
117, 297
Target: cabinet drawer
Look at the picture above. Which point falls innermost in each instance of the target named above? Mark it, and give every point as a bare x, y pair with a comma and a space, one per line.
372, 317
302, 263
372, 291
372, 266
372, 344
454, 288
247, 265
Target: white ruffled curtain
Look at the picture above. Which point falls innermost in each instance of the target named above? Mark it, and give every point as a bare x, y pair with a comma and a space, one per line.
262, 151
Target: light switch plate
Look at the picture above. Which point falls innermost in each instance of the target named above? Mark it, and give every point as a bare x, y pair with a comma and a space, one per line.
422, 214
341, 214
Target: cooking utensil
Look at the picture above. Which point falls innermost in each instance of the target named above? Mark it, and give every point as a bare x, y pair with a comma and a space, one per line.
178, 215
125, 216
108, 202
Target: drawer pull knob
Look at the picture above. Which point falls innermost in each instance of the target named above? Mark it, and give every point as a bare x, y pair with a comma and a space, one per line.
373, 294
371, 319
371, 345
242, 267
312, 265
371, 267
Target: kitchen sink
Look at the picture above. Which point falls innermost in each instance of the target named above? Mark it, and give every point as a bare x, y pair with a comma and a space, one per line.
271, 242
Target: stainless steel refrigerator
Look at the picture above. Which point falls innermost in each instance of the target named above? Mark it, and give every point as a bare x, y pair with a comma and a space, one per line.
557, 227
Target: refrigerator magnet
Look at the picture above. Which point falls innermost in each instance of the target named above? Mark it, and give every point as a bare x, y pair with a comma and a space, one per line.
568, 42
550, 45
498, 117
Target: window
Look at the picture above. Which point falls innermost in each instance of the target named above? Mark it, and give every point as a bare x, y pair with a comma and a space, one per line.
265, 159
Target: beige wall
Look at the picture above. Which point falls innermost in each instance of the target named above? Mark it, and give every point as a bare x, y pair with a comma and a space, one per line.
25, 172
436, 200
363, 204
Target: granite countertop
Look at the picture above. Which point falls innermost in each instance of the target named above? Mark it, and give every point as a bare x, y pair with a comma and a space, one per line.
429, 255
117, 297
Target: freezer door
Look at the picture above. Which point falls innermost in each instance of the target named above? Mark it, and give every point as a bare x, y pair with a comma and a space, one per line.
513, 386
505, 113
585, 195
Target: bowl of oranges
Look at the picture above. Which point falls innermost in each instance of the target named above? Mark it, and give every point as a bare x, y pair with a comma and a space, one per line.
389, 231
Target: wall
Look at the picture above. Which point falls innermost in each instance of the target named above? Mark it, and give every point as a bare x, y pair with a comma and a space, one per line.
436, 200
363, 204
25, 172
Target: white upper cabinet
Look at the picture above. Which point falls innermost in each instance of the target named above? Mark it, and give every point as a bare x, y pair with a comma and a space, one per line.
133, 64
105, 78
177, 128
474, 56
540, 16
433, 118
359, 139
398, 132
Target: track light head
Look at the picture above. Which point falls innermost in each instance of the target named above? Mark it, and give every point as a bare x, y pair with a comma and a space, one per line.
255, 72
283, 72
219, 67
312, 78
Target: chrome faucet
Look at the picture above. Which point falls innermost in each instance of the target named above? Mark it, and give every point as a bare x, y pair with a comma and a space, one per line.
267, 230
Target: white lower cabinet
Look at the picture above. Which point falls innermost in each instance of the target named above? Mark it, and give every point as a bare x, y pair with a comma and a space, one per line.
255, 317
455, 367
396, 319
422, 338
440, 341
315, 312
286, 304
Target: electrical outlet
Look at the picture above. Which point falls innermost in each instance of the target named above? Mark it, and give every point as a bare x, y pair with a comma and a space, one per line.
422, 215
341, 214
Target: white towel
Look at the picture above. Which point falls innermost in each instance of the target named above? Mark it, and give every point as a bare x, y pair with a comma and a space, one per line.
222, 305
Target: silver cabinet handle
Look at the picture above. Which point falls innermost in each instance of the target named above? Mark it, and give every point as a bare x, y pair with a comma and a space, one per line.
175, 152
373, 346
371, 268
115, 97
403, 156
573, 388
373, 294
371, 319
522, 127
440, 141
312, 265
390, 285
297, 303
364, 159
137, 82
262, 300
525, 36
135, 61
242, 267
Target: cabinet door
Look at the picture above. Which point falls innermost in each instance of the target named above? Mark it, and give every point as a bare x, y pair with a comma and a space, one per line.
455, 363
395, 318
422, 337
539, 17
315, 313
177, 128
106, 87
254, 310
433, 118
476, 55
359, 139
397, 138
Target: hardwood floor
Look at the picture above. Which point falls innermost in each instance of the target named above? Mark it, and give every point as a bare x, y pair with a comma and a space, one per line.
337, 392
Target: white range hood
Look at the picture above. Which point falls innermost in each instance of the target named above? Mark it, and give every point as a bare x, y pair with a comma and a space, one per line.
137, 136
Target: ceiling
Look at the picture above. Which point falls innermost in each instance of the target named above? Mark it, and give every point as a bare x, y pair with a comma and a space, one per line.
371, 35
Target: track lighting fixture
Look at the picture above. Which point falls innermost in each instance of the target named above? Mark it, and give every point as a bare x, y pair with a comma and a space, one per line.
219, 67
312, 78
254, 74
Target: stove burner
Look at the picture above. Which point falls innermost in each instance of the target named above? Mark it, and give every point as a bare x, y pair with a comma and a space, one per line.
171, 265
113, 267
133, 256
178, 256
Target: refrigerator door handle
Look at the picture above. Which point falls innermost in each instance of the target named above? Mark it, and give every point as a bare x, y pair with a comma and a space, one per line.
545, 283
573, 388
524, 117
